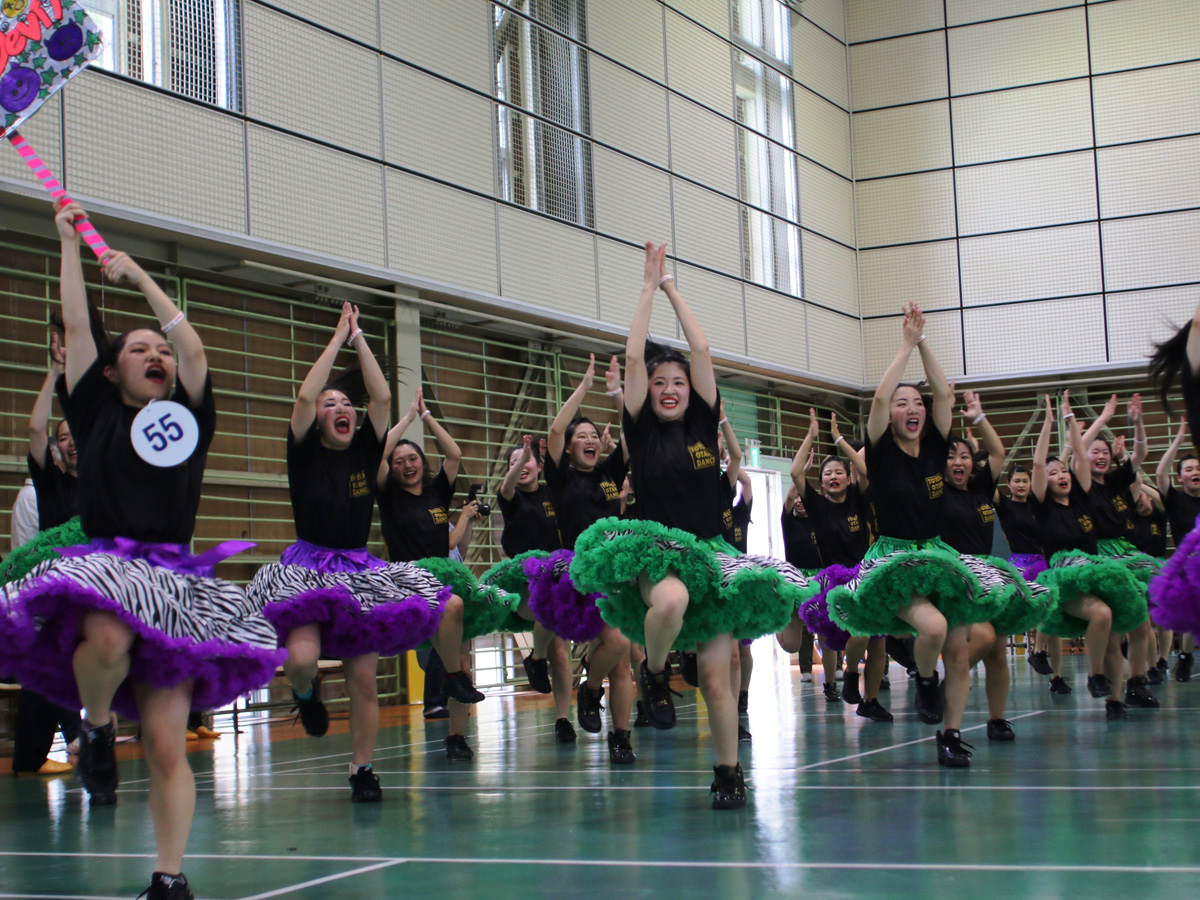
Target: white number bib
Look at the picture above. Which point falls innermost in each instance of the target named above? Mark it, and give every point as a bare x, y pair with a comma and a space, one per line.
165, 433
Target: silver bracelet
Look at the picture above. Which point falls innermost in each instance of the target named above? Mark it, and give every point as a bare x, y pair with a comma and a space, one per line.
174, 323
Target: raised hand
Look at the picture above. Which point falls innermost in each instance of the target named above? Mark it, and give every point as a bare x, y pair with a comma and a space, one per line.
834, 431
65, 215
1064, 405
814, 427
1110, 408
1050, 407
589, 374
612, 376
974, 405
1118, 448
353, 319
58, 353
1134, 410
654, 265
914, 324
342, 330
606, 440
118, 266
418, 402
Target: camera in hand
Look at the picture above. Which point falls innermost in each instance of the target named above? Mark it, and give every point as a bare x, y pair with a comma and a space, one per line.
485, 509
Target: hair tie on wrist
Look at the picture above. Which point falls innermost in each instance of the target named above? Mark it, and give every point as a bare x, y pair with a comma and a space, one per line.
357, 332
921, 338
838, 440
615, 393
979, 418
665, 279
424, 414
724, 421
1069, 415
174, 323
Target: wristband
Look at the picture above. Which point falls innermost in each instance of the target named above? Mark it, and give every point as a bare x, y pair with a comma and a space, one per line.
1139, 440
979, 418
665, 279
424, 414
357, 332
921, 338
724, 421
837, 440
173, 324
1068, 415
615, 393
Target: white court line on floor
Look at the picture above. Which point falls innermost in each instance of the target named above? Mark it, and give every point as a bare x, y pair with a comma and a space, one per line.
279, 892
58, 897
799, 788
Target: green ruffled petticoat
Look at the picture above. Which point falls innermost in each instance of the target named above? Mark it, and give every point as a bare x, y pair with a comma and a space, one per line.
729, 593
894, 570
41, 548
1073, 574
486, 608
509, 576
1141, 566
1023, 607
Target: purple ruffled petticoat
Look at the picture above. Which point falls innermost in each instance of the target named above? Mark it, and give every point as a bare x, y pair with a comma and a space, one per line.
814, 613
1030, 565
362, 604
187, 624
555, 602
1175, 591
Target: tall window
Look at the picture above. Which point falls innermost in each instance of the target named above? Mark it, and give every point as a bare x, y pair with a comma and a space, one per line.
765, 142
542, 83
186, 46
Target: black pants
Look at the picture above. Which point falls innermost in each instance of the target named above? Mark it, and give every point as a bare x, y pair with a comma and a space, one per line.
37, 720
435, 672
806, 651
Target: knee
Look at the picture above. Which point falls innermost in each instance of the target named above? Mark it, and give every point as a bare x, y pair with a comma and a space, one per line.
934, 628
166, 754
361, 683
109, 638
1100, 614
714, 677
614, 641
670, 598
453, 608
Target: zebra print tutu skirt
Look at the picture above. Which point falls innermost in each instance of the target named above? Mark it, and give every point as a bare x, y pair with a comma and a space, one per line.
1073, 573
361, 604
814, 613
557, 603
487, 608
729, 593
187, 624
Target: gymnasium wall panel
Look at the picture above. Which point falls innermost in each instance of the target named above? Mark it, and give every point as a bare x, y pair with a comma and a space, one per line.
542, 262
449, 37
441, 233
699, 65
1152, 177
718, 304
1128, 34
707, 229
619, 271
357, 20
702, 146
829, 15
310, 197
776, 328
901, 70
633, 200
881, 338
1031, 265
964, 12
1055, 334
44, 133
280, 54
830, 274
1030, 121
893, 277
819, 62
822, 131
1137, 320
1152, 251
826, 202
868, 20
628, 112
1014, 52
1027, 193
906, 209
126, 144
712, 14
631, 32
834, 345
413, 103
902, 139
1142, 105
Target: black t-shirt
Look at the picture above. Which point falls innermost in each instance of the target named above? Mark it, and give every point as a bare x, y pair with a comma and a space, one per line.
333, 491
674, 466
843, 529
416, 525
581, 498
119, 493
1066, 527
1020, 527
1191, 403
1150, 533
967, 516
1182, 510
1112, 503
800, 546
735, 520
56, 492
530, 522
907, 490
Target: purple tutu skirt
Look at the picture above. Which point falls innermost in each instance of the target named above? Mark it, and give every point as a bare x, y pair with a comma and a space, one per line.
556, 603
814, 613
1175, 591
361, 604
1030, 565
187, 624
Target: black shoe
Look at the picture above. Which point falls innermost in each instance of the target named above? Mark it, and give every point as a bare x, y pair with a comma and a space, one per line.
563, 732
1154, 676
1058, 685
588, 708
1162, 665
873, 710
620, 751
1183, 667
850, 692
688, 668
885, 683
96, 766
459, 687
538, 673
1000, 730
832, 694
1138, 695
1040, 660
743, 703
364, 786
656, 696
744, 736
436, 712
641, 721
167, 887
311, 711
953, 751
456, 747
1115, 709
728, 787
1098, 686
929, 700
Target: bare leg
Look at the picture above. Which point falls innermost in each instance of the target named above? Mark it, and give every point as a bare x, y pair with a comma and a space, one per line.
364, 705
1099, 618
931, 629
637, 656
164, 715
1165, 638
101, 663
875, 668
1114, 665
449, 637
542, 638
713, 659
958, 674
998, 677
855, 647
667, 601
621, 692
829, 663
1187, 643
459, 712
608, 652
560, 674
304, 651
1140, 641
1054, 645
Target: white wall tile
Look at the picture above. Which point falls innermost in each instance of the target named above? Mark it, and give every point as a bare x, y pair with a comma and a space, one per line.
1152, 177
1134, 106
713, 14
356, 20
881, 340
630, 31
1031, 265
822, 131
1053, 190
1139, 319
1048, 118
632, 200
699, 65
1014, 52
830, 274
1054, 334
534, 252
828, 14
1134, 33
702, 146
819, 62
628, 111
910, 208
961, 12
707, 228
776, 327
834, 345
901, 70
718, 305
1151, 251
826, 202
891, 278
868, 20
619, 273
450, 37
902, 140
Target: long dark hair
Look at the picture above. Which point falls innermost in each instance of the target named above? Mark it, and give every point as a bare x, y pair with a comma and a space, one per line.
1169, 363
656, 354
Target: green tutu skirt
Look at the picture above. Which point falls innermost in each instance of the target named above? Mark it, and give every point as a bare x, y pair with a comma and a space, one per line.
1072, 574
509, 576
1024, 606
41, 548
1141, 565
728, 593
966, 589
486, 608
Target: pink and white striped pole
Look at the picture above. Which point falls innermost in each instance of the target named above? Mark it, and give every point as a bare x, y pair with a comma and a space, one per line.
83, 225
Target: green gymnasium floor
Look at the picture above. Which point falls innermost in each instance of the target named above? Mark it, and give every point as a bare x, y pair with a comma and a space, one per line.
839, 807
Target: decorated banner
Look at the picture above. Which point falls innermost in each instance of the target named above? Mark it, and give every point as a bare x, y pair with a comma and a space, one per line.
43, 44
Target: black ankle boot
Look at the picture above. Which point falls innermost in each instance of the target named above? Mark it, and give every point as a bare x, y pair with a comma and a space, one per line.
929, 699
953, 751
728, 787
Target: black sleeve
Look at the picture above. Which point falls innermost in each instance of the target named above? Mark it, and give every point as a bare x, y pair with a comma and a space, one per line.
442, 488
300, 452
205, 412
508, 508
39, 470
811, 497
615, 465
82, 405
1123, 475
371, 442
555, 474
982, 482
